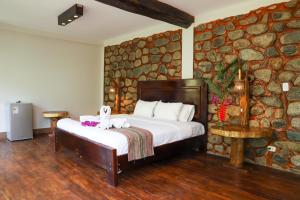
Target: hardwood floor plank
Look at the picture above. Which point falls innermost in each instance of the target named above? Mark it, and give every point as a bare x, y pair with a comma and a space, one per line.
30, 170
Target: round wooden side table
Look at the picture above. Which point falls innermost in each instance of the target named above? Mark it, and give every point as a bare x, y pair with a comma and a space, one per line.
238, 134
54, 116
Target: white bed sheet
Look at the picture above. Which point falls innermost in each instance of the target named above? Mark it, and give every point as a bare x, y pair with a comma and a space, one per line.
163, 131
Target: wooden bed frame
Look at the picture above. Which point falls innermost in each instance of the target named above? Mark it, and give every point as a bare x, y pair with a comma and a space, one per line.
188, 91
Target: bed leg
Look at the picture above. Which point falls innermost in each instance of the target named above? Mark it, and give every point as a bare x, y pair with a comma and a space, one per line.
56, 142
112, 171
112, 178
203, 143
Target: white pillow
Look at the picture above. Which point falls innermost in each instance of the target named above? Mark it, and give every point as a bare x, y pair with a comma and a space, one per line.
167, 111
144, 108
187, 113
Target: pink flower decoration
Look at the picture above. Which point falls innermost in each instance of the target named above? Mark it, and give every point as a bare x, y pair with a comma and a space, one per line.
89, 123
215, 99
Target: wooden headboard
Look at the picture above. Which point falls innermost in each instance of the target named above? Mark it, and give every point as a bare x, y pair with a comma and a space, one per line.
187, 91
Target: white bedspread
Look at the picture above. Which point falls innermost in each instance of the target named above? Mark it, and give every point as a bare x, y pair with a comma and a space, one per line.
163, 131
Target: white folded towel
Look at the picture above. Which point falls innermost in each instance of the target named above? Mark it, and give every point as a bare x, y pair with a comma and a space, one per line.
90, 118
105, 112
119, 123
104, 120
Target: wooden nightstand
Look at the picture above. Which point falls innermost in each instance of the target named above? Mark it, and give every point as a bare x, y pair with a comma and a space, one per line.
54, 117
237, 135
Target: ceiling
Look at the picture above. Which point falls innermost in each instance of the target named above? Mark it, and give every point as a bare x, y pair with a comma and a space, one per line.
99, 22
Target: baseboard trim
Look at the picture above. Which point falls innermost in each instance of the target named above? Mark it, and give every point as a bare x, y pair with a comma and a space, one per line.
40, 131
36, 132
2, 135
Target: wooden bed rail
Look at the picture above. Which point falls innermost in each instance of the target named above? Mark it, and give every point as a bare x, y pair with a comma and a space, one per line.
99, 154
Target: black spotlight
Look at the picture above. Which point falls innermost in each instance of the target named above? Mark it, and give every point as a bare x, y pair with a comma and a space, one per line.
70, 15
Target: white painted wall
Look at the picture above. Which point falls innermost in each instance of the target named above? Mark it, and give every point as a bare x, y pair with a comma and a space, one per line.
187, 34
52, 74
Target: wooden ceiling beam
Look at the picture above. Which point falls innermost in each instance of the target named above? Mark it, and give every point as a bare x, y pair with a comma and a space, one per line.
153, 9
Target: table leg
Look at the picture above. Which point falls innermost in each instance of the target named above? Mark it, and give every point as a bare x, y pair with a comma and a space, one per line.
237, 152
53, 126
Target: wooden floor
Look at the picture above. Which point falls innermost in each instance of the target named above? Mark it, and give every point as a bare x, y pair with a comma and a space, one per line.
29, 170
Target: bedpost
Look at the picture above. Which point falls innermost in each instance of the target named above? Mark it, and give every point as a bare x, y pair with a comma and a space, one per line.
204, 115
112, 168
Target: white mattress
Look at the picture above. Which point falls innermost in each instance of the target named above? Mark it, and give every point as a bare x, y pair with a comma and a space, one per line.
163, 131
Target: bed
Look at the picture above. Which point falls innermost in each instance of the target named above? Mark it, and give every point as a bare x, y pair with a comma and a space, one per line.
113, 158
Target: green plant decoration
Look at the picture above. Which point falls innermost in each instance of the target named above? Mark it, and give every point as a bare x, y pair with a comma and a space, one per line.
224, 79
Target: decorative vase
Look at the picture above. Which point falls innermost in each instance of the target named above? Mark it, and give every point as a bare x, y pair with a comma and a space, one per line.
222, 112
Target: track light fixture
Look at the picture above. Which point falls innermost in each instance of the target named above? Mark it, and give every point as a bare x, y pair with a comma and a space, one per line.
70, 15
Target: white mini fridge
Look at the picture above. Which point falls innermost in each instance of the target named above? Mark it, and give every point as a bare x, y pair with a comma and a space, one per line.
19, 121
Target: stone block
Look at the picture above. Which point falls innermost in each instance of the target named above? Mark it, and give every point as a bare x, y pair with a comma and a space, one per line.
250, 55
203, 36
241, 44
261, 142
293, 135
218, 42
286, 76
173, 46
293, 65
293, 24
175, 37
256, 110
167, 58
292, 146
264, 40
249, 20
265, 123
281, 15
226, 49
296, 123
263, 74
161, 42
207, 45
219, 148
155, 58
280, 159
290, 37
257, 90
295, 160
278, 113
269, 112
271, 52
230, 26
253, 123
162, 77
273, 101
278, 123
294, 94
234, 110
234, 35
177, 55
275, 63
215, 139
278, 27
294, 109
261, 151
289, 50
257, 29
219, 30
274, 87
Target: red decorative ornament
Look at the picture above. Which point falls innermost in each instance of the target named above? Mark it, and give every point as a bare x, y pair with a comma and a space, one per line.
223, 110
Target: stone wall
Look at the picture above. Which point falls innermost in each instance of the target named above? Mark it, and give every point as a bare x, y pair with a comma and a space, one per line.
157, 57
268, 39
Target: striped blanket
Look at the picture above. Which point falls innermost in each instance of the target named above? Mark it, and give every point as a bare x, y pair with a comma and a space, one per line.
140, 142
